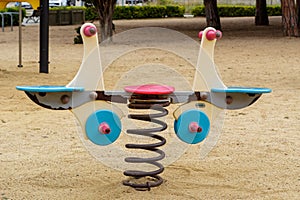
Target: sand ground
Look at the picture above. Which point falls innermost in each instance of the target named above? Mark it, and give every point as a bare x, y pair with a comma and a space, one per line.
257, 155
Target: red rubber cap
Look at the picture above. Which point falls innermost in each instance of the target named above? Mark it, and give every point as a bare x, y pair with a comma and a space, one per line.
150, 89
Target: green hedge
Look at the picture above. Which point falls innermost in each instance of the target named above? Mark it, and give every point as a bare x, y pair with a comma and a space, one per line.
91, 13
68, 8
237, 11
274, 10
138, 12
15, 17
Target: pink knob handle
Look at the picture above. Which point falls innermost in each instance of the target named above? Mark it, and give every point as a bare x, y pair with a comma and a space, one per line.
200, 34
89, 31
194, 127
219, 34
104, 128
211, 35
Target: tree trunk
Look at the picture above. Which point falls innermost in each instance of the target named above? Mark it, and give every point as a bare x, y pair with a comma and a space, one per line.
261, 14
289, 18
298, 13
105, 10
211, 12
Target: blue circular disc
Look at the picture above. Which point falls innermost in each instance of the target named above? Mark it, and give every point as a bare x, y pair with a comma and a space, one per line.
182, 130
92, 127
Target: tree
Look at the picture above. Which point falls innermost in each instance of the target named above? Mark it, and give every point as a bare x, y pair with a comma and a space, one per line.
298, 12
211, 12
261, 14
289, 18
105, 10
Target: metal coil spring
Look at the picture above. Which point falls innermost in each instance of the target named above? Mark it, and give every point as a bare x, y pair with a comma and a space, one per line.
137, 174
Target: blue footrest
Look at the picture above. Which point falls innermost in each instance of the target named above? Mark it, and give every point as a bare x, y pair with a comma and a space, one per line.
48, 88
247, 90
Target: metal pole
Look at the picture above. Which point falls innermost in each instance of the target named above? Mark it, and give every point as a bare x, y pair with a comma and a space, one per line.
44, 36
20, 35
2, 15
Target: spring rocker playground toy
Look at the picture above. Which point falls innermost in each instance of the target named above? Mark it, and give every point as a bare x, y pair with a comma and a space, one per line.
103, 115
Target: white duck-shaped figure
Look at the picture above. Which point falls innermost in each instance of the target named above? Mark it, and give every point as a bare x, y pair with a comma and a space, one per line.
101, 121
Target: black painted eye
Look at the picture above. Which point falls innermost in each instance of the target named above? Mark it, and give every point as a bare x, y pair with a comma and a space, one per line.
229, 100
200, 105
65, 99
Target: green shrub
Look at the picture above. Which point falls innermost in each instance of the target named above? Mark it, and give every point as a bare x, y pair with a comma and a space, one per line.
175, 11
198, 11
150, 11
236, 11
68, 8
91, 13
274, 10
15, 17
138, 12
120, 13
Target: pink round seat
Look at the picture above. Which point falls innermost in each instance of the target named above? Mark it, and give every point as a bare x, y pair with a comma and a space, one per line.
150, 89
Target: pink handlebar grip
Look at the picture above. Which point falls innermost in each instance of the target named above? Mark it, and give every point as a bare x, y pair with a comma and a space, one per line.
218, 34
200, 34
104, 128
194, 127
89, 31
211, 34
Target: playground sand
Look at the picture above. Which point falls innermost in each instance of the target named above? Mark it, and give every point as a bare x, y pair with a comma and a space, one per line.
256, 157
